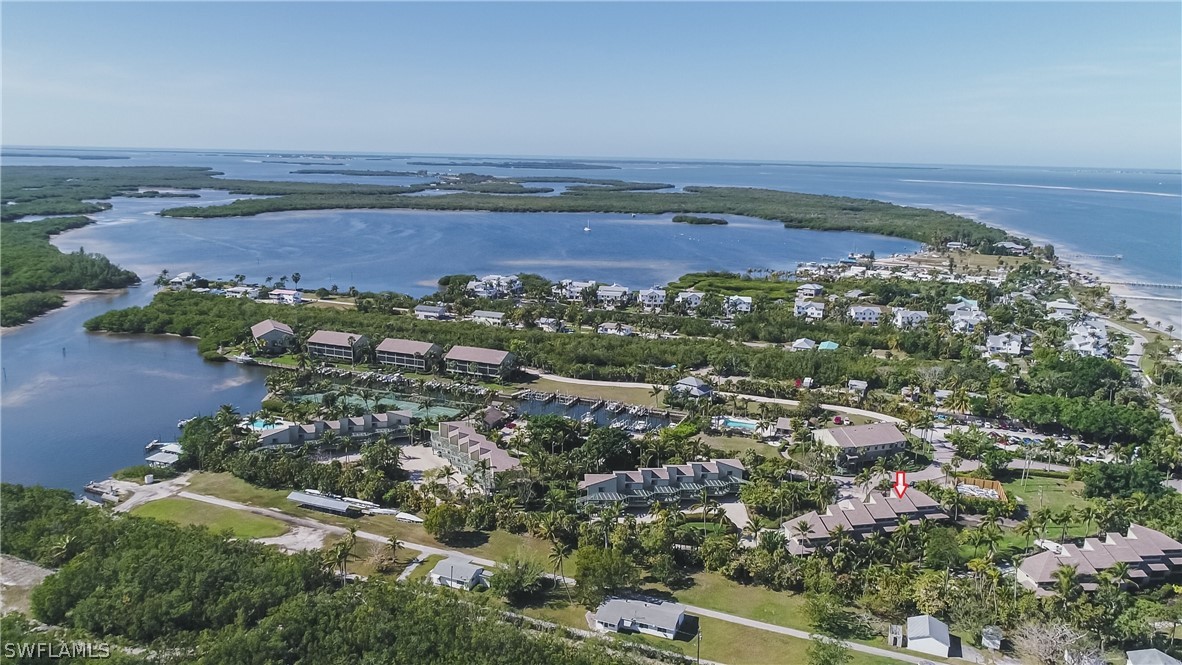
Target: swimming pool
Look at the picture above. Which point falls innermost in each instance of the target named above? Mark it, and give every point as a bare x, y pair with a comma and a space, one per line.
739, 423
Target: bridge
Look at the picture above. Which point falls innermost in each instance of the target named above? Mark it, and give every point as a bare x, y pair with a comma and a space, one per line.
1117, 257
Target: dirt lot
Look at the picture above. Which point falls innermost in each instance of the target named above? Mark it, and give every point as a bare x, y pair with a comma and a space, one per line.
17, 579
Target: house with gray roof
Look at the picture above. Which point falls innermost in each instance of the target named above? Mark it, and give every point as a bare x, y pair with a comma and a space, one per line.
356, 429
692, 386
809, 290
324, 503
1150, 657
927, 634
336, 346
613, 294
408, 354
457, 574
671, 483
488, 364
488, 318
659, 619
271, 336
1152, 557
803, 344
431, 312
877, 512
859, 444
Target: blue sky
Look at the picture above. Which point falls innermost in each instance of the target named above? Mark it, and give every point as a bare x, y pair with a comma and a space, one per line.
1060, 84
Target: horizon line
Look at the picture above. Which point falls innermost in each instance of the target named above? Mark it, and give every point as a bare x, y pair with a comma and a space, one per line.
603, 158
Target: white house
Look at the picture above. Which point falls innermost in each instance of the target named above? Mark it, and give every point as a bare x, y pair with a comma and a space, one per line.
653, 298
967, 320
691, 298
809, 290
1009, 344
495, 286
613, 328
613, 294
242, 292
488, 318
571, 289
956, 245
927, 634
659, 619
1061, 309
457, 574
803, 344
430, 312
813, 311
1012, 247
1088, 338
909, 318
858, 387
183, 279
1150, 657
286, 296
865, 314
736, 305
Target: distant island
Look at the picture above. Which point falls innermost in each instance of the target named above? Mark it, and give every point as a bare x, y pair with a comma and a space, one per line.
62, 155
690, 219
363, 173
154, 194
284, 161
520, 165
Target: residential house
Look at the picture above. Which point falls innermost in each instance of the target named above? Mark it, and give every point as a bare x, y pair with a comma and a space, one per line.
1061, 310
336, 346
480, 363
167, 455
809, 290
967, 320
909, 318
242, 292
286, 296
495, 286
408, 354
859, 444
470, 451
857, 387
692, 386
671, 483
569, 289
1012, 248
854, 294
653, 298
457, 574
488, 318
828, 345
1009, 344
956, 245
1150, 657
732, 305
691, 298
991, 638
1151, 555
927, 634
877, 512
614, 295
1088, 337
365, 428
784, 427
613, 328
866, 314
659, 619
811, 310
431, 312
271, 336
803, 344
550, 325
183, 280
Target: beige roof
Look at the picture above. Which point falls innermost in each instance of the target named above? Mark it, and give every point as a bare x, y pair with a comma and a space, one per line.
267, 325
476, 354
861, 436
334, 338
407, 346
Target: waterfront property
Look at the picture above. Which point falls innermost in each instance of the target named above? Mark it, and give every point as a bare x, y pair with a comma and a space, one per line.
286, 296
487, 364
495, 286
653, 298
167, 455
336, 346
1151, 555
408, 354
271, 336
860, 444
363, 429
572, 289
457, 574
877, 512
691, 298
1061, 310
470, 451
659, 619
613, 295
325, 503
670, 483
927, 634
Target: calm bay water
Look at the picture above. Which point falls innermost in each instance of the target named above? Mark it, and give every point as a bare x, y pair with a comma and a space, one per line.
76, 407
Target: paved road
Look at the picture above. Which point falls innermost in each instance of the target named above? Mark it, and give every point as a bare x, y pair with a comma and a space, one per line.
174, 489
1133, 361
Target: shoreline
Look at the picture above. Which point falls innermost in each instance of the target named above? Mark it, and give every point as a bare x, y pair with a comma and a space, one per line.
71, 297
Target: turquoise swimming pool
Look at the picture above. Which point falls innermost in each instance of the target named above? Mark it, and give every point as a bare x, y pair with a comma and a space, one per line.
739, 423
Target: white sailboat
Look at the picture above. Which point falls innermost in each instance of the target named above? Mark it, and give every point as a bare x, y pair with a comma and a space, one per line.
587, 226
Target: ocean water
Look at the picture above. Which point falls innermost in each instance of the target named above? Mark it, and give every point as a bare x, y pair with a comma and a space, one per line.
75, 407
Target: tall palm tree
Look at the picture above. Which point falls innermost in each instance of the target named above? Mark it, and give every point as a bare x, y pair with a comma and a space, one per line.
1027, 528
1089, 513
1064, 518
558, 553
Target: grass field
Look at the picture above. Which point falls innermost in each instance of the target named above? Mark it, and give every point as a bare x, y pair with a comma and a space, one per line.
1040, 492
423, 569
217, 518
496, 545
738, 444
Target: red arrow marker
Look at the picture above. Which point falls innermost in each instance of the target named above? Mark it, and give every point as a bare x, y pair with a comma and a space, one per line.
900, 483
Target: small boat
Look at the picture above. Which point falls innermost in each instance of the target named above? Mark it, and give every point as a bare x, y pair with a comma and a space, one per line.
587, 227
242, 359
181, 423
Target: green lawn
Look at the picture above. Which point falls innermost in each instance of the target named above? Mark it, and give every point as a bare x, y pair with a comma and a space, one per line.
217, 518
738, 444
715, 592
496, 545
1040, 492
423, 569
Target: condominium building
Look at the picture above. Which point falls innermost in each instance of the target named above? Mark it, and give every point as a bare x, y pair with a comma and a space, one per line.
364, 428
271, 336
408, 354
336, 346
480, 363
468, 450
1151, 555
877, 512
670, 483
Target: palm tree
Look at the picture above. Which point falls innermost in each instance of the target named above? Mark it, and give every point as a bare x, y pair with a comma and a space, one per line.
1064, 517
1089, 513
1027, 528
655, 392
1066, 583
558, 553
392, 544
